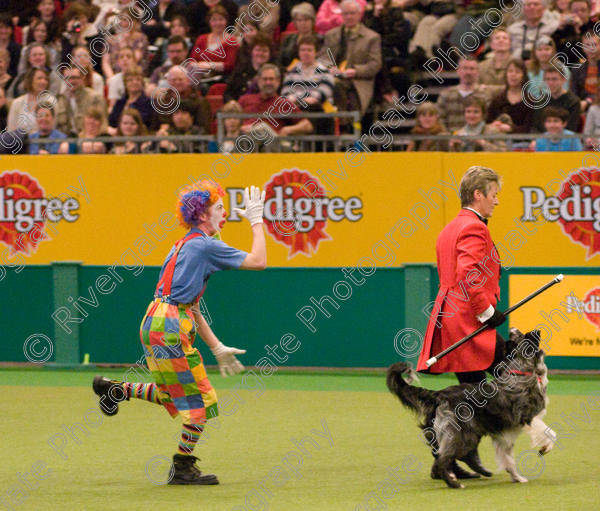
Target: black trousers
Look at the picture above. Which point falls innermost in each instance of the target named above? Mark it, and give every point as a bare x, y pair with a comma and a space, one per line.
479, 376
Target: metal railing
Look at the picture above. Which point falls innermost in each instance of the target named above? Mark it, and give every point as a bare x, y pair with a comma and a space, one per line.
298, 143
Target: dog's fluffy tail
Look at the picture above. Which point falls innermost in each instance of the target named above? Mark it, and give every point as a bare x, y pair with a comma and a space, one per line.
420, 400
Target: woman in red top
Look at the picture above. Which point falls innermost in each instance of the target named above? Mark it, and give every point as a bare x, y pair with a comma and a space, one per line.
211, 50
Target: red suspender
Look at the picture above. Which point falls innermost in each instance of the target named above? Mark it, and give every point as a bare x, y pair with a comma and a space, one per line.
167, 278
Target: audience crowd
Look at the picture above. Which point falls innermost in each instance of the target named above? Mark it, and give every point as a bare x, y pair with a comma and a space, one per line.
94, 69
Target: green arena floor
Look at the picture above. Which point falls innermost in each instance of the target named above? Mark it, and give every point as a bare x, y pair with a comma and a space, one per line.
60, 454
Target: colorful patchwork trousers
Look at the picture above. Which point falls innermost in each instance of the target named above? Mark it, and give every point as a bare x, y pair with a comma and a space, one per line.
167, 333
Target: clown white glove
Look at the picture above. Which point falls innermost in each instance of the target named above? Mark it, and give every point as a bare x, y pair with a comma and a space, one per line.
228, 364
255, 204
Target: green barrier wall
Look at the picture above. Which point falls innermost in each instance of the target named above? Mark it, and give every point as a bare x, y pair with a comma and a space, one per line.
247, 309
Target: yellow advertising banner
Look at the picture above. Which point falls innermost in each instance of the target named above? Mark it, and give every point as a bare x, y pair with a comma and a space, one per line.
321, 210
549, 211
567, 314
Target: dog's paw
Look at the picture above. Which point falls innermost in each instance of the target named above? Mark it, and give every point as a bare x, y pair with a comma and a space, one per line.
547, 444
519, 479
452, 481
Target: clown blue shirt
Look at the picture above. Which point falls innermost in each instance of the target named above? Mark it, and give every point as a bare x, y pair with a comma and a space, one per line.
198, 259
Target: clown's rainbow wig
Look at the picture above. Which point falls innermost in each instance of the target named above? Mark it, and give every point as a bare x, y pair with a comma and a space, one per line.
195, 200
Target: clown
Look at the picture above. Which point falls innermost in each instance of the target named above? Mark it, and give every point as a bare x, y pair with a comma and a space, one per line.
173, 319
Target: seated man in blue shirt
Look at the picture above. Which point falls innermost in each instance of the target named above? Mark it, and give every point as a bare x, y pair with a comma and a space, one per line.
555, 122
46, 129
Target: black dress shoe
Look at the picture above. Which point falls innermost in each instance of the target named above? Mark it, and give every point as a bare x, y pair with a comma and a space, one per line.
473, 461
111, 394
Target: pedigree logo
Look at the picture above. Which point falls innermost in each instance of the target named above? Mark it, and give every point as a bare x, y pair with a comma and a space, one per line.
297, 210
24, 211
590, 306
576, 208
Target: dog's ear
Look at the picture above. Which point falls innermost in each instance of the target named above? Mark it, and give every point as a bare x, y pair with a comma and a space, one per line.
533, 337
509, 348
515, 335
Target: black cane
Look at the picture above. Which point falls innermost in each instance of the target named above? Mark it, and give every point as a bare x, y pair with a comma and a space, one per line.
442, 354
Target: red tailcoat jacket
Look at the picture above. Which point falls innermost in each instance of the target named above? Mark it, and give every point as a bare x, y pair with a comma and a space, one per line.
469, 273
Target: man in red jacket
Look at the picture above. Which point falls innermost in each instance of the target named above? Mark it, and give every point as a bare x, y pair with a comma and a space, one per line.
469, 273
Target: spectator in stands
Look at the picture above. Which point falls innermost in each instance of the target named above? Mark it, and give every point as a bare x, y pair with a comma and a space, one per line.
303, 15
536, 22
46, 12
183, 89
219, 53
540, 62
434, 27
479, 14
74, 28
177, 51
269, 79
130, 125
133, 38
3, 110
592, 122
5, 77
492, 70
357, 53
197, 14
428, 124
116, 83
46, 129
94, 126
567, 100
159, 25
72, 105
510, 103
182, 123
269, 11
91, 79
309, 86
584, 80
179, 28
559, 8
233, 126
20, 114
8, 43
395, 31
134, 97
555, 122
244, 54
474, 118
37, 34
330, 16
451, 101
573, 25
38, 58
243, 79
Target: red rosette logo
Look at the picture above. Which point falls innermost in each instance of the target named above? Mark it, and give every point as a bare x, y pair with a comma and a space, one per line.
579, 215
21, 214
591, 307
296, 211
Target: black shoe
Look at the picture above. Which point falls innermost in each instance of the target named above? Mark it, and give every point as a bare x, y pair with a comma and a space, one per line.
111, 394
473, 461
185, 471
459, 472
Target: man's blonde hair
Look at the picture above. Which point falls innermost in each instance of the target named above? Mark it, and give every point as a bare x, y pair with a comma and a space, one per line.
476, 178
